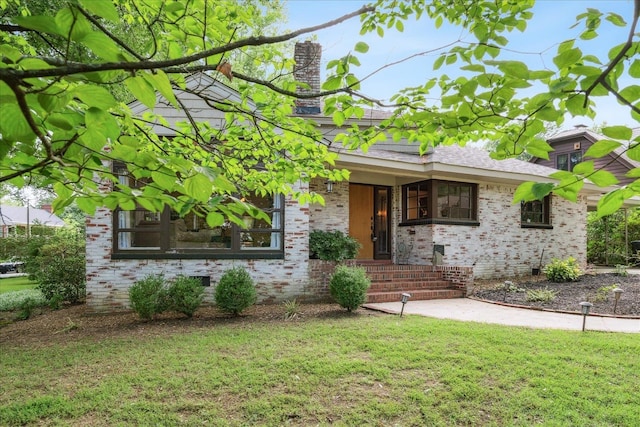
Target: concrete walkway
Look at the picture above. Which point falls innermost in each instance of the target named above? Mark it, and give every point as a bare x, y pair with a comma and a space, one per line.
471, 310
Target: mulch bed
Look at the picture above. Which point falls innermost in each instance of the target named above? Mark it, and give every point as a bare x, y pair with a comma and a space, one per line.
593, 288
76, 323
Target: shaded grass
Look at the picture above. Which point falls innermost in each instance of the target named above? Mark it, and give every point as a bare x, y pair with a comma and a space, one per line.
11, 284
347, 371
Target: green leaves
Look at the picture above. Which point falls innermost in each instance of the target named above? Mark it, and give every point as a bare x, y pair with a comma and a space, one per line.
103, 8
361, 47
529, 191
142, 90
94, 96
602, 148
617, 132
199, 187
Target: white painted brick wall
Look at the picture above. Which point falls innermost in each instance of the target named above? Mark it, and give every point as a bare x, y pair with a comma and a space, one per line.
334, 215
499, 247
108, 280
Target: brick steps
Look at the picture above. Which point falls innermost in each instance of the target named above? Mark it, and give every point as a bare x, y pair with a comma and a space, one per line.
389, 282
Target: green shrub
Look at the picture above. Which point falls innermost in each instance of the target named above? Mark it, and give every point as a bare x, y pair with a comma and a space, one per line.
26, 308
148, 296
292, 309
185, 295
603, 292
235, 291
348, 286
57, 263
541, 295
560, 271
621, 270
332, 245
10, 301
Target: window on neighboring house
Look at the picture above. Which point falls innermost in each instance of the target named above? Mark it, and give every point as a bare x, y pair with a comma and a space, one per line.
536, 214
140, 232
567, 161
562, 162
439, 201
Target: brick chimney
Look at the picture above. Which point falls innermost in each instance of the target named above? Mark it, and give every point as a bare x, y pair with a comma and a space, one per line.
307, 69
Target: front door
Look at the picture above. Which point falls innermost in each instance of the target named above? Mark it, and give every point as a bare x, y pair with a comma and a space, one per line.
369, 220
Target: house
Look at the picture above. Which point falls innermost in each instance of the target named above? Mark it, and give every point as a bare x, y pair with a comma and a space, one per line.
570, 148
16, 220
571, 145
449, 211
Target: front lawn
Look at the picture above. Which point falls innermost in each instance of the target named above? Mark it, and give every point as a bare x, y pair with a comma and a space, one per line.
10, 284
342, 370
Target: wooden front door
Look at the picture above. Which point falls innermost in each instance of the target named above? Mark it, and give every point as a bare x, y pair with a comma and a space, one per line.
369, 221
361, 218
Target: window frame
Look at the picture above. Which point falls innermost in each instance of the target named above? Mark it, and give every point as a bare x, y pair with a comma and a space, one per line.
570, 160
431, 187
545, 205
163, 223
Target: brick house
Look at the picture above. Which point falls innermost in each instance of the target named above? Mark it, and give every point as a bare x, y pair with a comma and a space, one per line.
449, 211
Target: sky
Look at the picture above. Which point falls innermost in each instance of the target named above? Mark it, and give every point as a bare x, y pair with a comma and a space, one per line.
536, 46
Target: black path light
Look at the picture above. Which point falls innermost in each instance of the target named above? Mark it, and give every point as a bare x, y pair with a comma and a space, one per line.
585, 306
617, 292
405, 298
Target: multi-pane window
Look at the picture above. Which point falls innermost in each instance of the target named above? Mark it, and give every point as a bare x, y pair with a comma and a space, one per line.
536, 213
416, 200
439, 200
567, 161
455, 200
140, 230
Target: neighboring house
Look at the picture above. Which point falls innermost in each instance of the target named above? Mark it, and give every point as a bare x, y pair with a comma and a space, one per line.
452, 207
571, 145
16, 220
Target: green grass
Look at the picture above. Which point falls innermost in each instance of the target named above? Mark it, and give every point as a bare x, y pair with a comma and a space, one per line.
360, 370
11, 284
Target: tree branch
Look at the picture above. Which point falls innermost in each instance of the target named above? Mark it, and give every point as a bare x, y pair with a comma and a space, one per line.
150, 65
629, 43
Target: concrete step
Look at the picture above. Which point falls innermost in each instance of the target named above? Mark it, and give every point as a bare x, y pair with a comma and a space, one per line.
403, 285
378, 297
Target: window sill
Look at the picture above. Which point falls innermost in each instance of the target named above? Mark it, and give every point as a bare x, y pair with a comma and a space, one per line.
184, 255
541, 226
439, 221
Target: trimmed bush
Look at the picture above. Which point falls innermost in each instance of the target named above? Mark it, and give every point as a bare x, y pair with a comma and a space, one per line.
185, 295
332, 245
560, 271
148, 296
57, 263
348, 286
235, 291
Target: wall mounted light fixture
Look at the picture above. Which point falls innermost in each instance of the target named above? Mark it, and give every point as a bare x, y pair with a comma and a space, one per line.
329, 186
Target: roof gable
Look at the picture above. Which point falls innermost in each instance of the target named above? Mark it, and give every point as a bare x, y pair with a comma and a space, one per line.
18, 215
200, 90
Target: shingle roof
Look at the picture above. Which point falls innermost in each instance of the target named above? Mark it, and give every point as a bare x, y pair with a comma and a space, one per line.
455, 155
17, 215
480, 159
